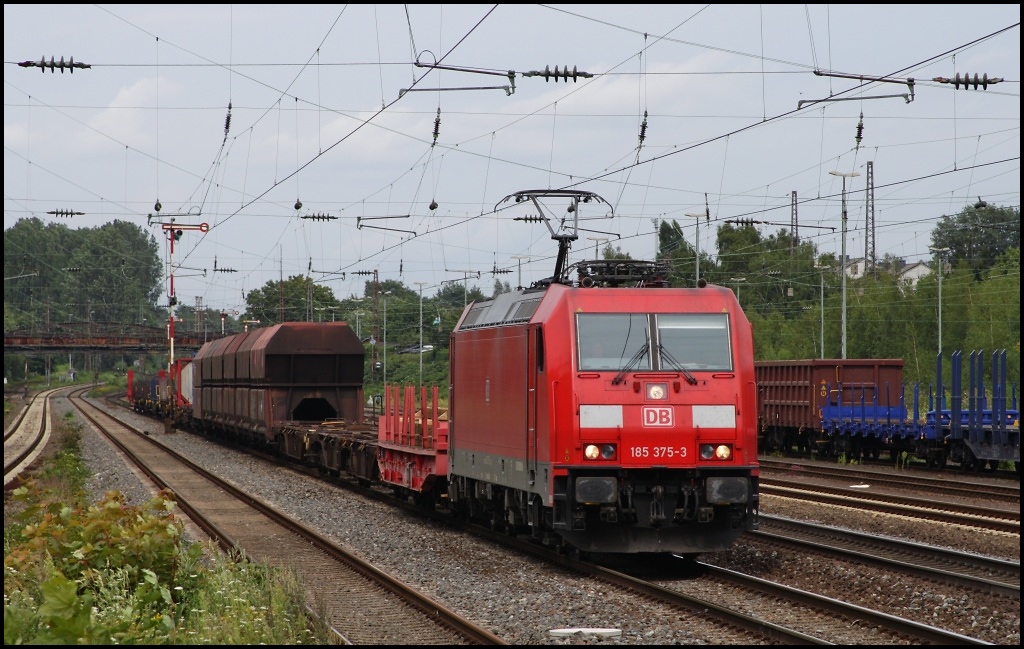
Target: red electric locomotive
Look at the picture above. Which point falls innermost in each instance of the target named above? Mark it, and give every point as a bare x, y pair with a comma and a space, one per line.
609, 413
606, 413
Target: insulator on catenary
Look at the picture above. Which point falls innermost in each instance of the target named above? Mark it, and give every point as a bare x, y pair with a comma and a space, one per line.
65, 213
860, 129
743, 221
643, 128
437, 125
59, 65
564, 74
227, 122
984, 81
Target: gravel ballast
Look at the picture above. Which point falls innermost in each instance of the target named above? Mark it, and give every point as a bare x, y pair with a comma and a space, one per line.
522, 608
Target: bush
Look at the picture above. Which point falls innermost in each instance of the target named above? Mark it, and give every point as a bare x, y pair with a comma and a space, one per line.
68, 555
112, 573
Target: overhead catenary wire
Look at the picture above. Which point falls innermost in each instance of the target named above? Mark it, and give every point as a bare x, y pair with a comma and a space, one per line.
488, 157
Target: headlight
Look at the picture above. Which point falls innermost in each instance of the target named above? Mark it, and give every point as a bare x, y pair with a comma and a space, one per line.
657, 391
599, 452
715, 452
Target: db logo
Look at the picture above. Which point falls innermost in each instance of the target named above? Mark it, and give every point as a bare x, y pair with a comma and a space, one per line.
657, 416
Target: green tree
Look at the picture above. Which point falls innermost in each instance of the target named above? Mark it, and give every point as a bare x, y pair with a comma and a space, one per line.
978, 235
110, 273
681, 255
501, 287
737, 250
296, 299
995, 313
614, 252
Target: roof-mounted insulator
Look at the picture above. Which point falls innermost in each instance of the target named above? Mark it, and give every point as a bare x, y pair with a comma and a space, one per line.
60, 65
65, 213
564, 74
983, 81
437, 125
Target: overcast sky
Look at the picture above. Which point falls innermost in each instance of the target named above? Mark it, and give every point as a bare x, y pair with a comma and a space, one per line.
743, 105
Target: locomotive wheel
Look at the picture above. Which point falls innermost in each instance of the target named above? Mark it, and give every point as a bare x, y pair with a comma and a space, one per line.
424, 500
577, 554
497, 523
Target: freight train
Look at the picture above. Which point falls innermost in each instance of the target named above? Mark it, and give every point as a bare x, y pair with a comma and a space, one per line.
857, 408
597, 411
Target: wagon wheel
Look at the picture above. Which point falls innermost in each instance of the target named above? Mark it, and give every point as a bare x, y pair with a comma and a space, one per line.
969, 463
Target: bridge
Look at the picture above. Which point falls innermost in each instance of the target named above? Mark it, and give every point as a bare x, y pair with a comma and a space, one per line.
103, 337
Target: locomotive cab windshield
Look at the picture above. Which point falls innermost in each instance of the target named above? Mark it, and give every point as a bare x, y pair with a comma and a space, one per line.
680, 342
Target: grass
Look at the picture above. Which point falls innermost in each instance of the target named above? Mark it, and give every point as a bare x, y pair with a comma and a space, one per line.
110, 573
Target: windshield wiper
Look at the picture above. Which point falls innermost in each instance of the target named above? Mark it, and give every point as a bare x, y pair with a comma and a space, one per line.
676, 365
640, 353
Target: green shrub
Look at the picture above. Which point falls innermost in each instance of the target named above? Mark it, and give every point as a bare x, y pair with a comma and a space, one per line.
111, 573
69, 553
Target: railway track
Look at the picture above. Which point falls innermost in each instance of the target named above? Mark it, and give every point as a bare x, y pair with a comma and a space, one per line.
944, 485
25, 438
963, 569
753, 615
1003, 520
888, 464
770, 611
834, 621
363, 604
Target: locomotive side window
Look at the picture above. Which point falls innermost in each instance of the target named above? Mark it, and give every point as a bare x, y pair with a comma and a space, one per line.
698, 341
609, 341
540, 349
